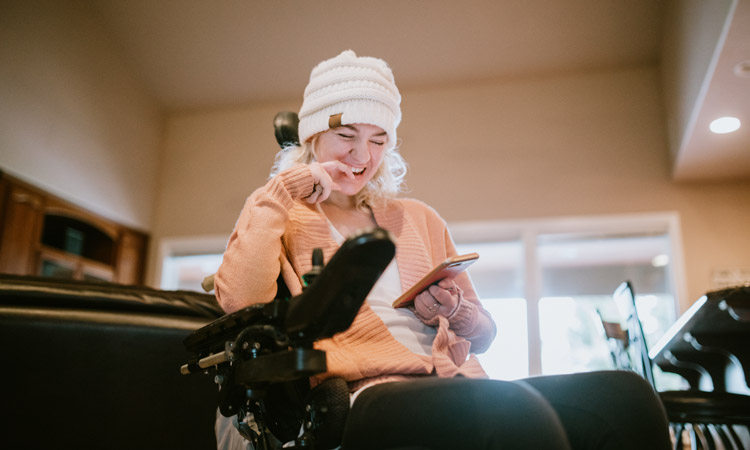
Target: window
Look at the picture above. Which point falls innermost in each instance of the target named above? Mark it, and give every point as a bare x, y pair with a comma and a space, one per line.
545, 281
185, 262
186, 272
579, 272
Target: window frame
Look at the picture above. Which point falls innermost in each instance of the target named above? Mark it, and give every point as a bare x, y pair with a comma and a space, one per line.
527, 232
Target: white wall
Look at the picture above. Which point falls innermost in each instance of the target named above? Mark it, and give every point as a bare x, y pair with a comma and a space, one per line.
583, 144
73, 118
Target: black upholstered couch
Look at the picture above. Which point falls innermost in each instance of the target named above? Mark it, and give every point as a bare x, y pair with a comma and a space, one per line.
96, 366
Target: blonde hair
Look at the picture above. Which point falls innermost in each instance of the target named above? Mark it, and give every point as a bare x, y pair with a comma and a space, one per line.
387, 182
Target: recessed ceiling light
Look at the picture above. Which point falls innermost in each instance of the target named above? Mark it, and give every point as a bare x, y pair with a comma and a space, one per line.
725, 125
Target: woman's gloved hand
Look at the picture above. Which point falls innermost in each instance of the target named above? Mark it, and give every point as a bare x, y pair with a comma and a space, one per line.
439, 299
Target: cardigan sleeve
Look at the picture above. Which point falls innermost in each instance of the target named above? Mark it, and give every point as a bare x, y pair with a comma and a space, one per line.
470, 320
253, 257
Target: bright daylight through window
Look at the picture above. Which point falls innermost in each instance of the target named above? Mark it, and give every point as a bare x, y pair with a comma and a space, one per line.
186, 272
547, 286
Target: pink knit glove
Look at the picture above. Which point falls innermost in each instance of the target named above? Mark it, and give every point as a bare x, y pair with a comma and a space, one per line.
438, 300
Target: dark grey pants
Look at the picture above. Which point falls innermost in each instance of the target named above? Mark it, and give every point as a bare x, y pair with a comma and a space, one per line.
596, 410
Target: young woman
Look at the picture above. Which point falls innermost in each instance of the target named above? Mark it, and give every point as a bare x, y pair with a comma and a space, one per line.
415, 368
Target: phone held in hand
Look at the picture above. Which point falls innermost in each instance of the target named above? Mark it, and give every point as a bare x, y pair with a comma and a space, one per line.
447, 269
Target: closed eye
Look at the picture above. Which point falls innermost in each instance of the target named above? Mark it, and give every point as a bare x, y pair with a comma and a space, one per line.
378, 143
345, 136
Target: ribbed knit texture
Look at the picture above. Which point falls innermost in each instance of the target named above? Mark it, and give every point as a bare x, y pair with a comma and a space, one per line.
275, 232
360, 88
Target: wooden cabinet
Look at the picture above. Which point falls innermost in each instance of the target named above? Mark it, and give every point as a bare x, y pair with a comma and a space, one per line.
22, 211
41, 234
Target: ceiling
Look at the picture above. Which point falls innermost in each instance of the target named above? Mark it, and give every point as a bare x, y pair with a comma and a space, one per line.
193, 54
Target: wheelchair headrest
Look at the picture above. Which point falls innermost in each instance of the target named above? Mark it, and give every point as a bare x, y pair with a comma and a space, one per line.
285, 128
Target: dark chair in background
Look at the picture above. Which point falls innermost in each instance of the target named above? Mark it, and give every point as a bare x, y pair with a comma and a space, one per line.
617, 340
702, 414
92, 365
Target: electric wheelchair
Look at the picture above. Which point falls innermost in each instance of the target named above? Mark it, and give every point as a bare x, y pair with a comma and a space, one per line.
262, 357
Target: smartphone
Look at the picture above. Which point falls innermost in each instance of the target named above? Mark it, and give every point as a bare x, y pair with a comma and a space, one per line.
446, 269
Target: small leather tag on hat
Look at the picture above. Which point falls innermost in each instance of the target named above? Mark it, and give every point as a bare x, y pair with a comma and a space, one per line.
335, 120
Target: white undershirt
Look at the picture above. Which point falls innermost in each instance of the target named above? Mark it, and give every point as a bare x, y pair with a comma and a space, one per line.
401, 322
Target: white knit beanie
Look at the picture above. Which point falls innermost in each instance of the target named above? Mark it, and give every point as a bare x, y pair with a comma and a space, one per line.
352, 89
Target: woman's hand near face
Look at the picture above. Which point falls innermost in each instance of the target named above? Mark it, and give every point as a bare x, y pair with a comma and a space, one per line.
323, 175
439, 299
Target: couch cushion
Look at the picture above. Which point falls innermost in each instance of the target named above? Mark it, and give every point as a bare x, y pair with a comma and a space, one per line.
89, 367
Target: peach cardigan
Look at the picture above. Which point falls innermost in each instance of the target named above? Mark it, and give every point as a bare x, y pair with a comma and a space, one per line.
276, 233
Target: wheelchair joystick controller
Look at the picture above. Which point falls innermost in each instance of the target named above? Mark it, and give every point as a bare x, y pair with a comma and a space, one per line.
262, 356
317, 267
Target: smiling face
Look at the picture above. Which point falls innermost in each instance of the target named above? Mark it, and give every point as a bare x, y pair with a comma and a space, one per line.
359, 146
